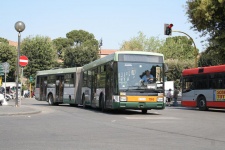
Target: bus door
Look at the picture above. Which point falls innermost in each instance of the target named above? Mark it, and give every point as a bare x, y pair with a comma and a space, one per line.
108, 85
43, 88
94, 87
188, 92
59, 89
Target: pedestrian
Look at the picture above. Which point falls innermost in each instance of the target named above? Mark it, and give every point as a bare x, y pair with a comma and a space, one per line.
168, 97
175, 96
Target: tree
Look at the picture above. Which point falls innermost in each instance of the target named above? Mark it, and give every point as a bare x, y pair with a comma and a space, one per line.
61, 44
9, 54
142, 43
207, 17
178, 47
84, 50
179, 54
207, 58
40, 53
175, 69
3, 40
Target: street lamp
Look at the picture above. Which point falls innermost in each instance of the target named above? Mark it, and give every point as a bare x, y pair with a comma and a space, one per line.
19, 26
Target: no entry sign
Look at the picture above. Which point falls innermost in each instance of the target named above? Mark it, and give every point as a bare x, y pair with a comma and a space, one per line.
23, 61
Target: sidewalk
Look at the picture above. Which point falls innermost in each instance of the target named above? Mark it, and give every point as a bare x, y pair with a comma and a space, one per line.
11, 110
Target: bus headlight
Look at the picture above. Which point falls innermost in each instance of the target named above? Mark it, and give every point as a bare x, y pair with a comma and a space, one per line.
160, 99
123, 99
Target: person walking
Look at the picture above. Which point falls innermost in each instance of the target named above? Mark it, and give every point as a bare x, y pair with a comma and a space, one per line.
175, 96
168, 97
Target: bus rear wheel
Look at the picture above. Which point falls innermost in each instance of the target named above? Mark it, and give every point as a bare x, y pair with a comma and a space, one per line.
144, 111
50, 100
202, 103
83, 101
102, 104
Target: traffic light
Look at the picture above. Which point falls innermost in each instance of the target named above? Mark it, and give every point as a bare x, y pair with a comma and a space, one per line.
168, 29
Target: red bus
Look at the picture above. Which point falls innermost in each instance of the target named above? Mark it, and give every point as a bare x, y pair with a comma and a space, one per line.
204, 87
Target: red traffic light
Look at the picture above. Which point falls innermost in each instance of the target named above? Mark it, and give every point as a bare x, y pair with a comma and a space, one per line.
168, 29
170, 26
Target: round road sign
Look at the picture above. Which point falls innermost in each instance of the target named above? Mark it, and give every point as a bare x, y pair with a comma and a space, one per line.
23, 61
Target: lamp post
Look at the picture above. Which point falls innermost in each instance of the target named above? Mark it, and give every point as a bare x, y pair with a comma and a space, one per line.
19, 26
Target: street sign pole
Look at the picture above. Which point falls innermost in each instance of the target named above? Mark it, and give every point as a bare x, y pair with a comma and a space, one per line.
21, 89
31, 79
23, 62
5, 83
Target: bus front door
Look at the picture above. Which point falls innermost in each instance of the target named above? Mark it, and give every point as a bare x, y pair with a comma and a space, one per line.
43, 89
59, 89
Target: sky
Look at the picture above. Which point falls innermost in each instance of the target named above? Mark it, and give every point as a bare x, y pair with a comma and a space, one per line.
113, 21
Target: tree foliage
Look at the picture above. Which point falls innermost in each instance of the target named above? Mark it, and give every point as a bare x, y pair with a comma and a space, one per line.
207, 58
9, 54
84, 50
60, 44
142, 43
175, 69
3, 40
207, 17
178, 47
40, 53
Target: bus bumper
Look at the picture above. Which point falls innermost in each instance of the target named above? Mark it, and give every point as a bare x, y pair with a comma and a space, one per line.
138, 105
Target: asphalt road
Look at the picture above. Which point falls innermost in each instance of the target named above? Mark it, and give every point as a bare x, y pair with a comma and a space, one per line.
65, 127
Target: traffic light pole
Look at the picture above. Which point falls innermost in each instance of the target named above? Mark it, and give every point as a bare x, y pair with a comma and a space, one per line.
196, 53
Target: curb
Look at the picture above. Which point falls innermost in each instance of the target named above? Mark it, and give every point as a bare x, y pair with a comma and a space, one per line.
20, 113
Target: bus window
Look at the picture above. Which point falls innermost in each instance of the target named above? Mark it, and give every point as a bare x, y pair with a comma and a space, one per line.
201, 82
188, 84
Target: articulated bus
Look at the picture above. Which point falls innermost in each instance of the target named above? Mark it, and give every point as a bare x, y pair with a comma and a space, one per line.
204, 87
58, 86
111, 82
114, 81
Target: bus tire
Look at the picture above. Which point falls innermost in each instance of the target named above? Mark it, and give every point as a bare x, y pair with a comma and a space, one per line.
102, 102
50, 100
202, 103
83, 101
74, 105
144, 111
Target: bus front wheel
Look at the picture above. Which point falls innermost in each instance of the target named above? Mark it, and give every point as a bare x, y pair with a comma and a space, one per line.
202, 103
83, 101
102, 102
50, 100
144, 111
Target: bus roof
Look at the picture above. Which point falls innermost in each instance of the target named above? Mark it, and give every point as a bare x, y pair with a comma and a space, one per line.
204, 70
58, 71
114, 57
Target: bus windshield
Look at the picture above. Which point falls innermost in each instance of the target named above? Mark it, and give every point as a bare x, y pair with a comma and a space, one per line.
131, 75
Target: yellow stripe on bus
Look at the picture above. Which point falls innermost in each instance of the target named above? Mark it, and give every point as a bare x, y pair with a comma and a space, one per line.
141, 98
